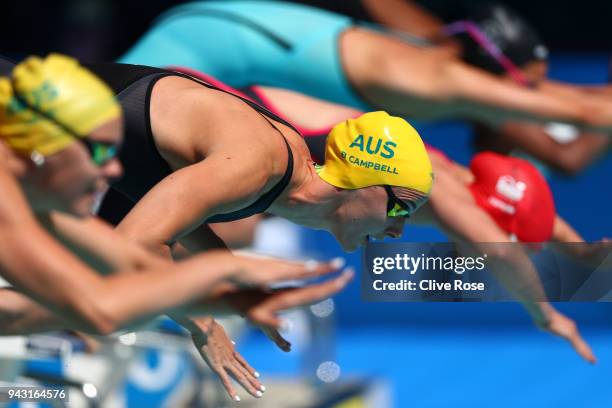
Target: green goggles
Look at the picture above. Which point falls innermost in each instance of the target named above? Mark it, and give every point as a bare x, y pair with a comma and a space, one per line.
100, 152
397, 207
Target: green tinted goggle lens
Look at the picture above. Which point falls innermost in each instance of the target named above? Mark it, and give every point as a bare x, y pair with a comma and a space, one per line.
100, 152
103, 153
398, 211
397, 207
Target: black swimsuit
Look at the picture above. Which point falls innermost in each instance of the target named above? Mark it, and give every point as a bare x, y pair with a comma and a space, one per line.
6, 66
143, 166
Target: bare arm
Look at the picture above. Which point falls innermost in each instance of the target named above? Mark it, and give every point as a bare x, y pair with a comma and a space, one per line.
21, 315
94, 237
457, 214
564, 232
247, 278
238, 234
569, 90
570, 157
404, 15
34, 262
484, 96
423, 83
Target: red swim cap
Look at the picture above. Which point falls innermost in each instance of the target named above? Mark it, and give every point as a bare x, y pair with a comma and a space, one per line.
515, 194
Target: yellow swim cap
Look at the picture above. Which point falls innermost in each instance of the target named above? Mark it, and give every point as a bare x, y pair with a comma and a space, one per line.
376, 149
49, 102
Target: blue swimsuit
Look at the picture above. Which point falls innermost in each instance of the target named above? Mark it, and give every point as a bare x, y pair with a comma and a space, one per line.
243, 43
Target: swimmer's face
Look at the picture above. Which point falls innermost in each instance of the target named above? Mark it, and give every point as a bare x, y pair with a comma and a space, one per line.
363, 214
70, 180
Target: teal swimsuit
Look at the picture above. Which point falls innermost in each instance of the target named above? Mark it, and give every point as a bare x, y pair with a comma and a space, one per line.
243, 43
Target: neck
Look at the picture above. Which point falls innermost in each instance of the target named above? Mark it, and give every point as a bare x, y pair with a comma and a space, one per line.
309, 201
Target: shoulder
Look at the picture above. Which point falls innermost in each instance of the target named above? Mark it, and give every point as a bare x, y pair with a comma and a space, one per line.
204, 121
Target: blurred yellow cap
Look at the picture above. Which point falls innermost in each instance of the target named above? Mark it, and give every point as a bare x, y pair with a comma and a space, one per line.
49, 102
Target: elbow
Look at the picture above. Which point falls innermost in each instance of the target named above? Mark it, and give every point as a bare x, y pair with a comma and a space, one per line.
94, 316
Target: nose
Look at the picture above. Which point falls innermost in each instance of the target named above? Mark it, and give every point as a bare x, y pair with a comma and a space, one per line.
112, 170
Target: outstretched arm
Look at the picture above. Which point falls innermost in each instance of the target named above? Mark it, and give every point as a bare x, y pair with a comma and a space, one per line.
569, 157
458, 215
483, 96
422, 83
125, 299
34, 262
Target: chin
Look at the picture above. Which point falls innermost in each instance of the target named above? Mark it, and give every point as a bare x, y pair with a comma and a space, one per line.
349, 246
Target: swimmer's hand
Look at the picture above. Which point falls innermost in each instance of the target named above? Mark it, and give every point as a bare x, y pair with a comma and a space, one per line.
219, 352
562, 326
262, 272
261, 307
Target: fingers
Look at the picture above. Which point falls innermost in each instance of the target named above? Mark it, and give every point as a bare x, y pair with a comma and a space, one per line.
286, 270
227, 382
566, 328
581, 347
239, 374
249, 372
264, 314
276, 337
218, 350
310, 294
281, 270
314, 269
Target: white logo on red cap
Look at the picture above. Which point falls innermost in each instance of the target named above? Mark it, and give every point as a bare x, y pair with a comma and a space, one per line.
501, 205
508, 187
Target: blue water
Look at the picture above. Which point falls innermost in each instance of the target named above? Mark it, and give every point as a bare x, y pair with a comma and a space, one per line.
467, 366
